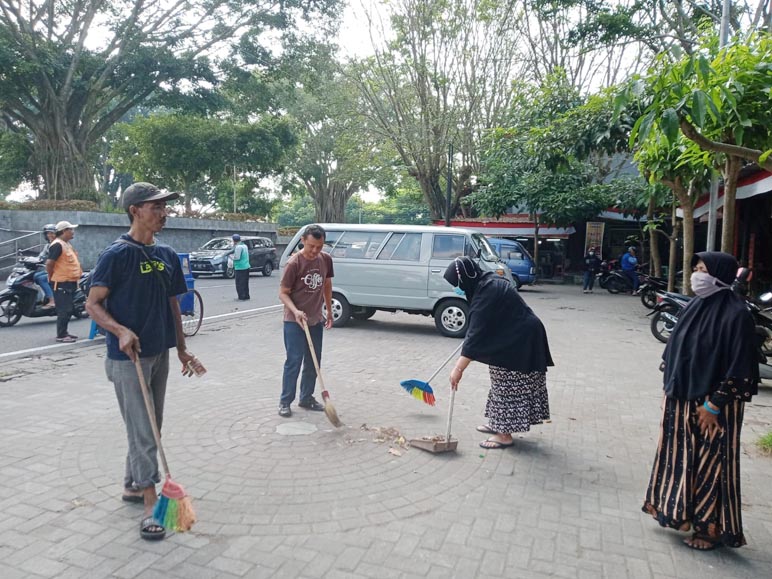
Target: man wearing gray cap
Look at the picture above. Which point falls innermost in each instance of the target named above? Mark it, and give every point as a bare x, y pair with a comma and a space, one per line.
133, 295
64, 271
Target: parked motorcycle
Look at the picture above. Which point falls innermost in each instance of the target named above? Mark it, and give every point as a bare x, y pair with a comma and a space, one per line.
23, 297
650, 285
668, 309
604, 275
665, 314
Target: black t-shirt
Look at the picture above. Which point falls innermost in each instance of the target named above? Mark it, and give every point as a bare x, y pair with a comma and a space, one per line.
54, 251
138, 299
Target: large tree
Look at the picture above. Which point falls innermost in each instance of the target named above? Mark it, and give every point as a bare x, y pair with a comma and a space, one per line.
71, 69
719, 99
194, 155
443, 79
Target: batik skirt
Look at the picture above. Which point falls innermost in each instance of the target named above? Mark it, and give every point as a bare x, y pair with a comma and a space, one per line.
516, 400
695, 480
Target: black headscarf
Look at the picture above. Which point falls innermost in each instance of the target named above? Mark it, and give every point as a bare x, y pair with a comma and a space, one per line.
720, 265
465, 274
503, 331
714, 341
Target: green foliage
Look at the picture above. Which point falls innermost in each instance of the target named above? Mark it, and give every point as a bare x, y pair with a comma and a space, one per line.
194, 154
71, 70
51, 205
553, 157
15, 153
765, 443
296, 212
403, 206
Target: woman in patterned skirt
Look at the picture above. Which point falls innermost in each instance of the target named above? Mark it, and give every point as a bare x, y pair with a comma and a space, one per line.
710, 371
506, 335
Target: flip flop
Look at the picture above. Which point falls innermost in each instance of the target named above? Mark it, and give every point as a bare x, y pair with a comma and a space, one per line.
486, 429
496, 445
151, 530
133, 499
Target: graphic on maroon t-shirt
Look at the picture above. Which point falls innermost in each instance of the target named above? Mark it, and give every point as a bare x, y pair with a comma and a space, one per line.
305, 280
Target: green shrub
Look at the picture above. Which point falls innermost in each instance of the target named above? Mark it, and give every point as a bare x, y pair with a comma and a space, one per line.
765, 443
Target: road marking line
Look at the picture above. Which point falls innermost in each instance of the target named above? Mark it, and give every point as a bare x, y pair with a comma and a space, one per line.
40, 349
238, 313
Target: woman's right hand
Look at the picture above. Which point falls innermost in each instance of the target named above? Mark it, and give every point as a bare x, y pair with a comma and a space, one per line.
455, 377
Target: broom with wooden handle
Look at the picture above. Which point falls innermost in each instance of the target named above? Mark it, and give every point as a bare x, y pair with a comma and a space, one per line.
173, 509
329, 409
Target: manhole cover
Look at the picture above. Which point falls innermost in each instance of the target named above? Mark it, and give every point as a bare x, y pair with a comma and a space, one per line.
295, 428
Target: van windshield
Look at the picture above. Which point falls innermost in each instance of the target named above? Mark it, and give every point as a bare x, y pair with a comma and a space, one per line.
486, 251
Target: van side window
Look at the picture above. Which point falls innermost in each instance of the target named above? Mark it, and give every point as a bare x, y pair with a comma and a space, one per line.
391, 245
448, 246
403, 247
358, 245
329, 240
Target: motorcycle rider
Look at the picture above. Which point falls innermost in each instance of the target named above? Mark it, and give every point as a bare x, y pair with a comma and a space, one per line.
41, 276
64, 270
629, 267
591, 268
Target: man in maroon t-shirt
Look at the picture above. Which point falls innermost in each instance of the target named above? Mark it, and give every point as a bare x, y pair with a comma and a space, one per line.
306, 285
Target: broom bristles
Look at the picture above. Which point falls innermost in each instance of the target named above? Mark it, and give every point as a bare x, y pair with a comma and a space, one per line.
175, 512
332, 415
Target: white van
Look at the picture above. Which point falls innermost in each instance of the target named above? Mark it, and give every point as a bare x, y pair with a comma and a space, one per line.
400, 268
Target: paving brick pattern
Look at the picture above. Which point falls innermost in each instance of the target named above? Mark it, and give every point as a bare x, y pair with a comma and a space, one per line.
564, 502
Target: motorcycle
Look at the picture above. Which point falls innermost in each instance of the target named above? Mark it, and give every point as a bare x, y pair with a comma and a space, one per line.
650, 285
606, 269
670, 305
23, 297
665, 314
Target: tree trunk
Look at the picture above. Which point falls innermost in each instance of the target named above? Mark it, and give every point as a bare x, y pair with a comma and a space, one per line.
688, 211
731, 173
64, 166
536, 241
672, 266
655, 267
330, 201
433, 194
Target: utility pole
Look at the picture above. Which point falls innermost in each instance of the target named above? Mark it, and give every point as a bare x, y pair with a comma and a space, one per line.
723, 38
234, 189
450, 184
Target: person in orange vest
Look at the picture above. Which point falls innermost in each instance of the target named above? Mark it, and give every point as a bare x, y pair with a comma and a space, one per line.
64, 271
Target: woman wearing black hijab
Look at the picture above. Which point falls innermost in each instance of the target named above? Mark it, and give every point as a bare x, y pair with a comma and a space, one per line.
710, 372
507, 336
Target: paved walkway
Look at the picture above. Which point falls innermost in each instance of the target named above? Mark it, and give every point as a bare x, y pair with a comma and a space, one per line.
565, 502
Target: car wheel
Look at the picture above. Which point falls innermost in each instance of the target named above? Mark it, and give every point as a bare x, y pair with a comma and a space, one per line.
267, 269
341, 310
229, 273
451, 317
518, 283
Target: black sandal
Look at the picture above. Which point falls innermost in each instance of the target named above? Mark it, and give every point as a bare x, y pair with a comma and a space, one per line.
486, 429
151, 530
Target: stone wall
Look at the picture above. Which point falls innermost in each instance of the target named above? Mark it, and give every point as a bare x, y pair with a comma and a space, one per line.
97, 230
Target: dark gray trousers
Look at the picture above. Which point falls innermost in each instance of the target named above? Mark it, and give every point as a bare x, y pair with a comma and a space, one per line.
142, 458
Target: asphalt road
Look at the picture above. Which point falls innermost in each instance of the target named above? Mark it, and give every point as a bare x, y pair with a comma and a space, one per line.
219, 297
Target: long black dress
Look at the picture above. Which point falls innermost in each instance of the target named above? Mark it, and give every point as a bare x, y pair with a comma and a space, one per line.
695, 480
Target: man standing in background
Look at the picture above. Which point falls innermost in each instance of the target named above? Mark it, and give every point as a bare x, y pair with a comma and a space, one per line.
64, 271
241, 267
